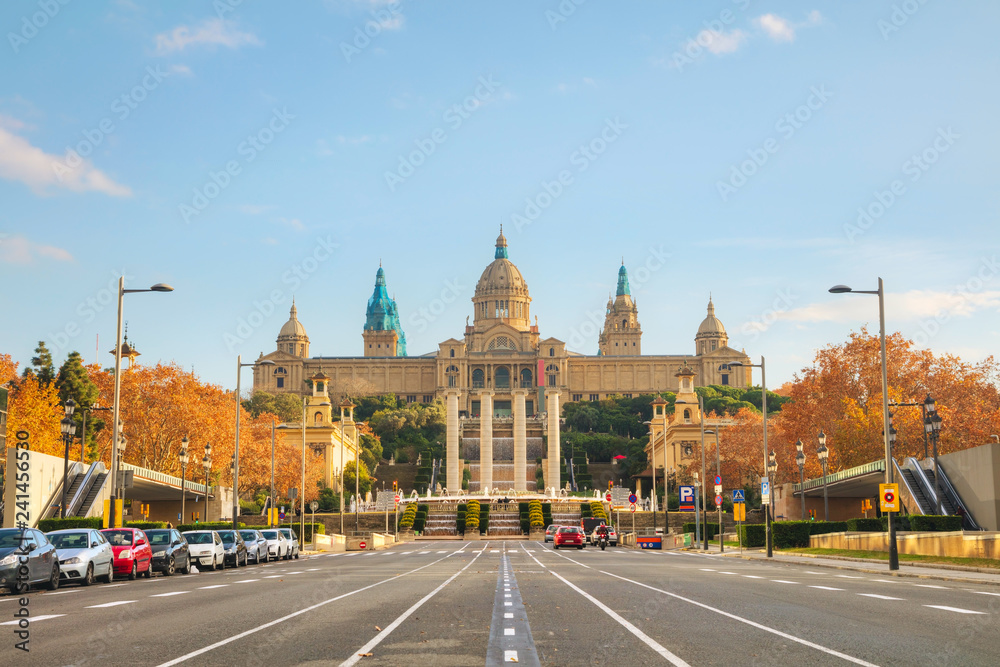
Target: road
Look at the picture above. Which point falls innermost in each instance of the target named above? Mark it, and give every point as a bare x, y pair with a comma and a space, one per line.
475, 603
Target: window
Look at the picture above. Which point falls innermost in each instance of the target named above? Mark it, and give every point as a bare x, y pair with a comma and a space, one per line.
281, 383
410, 398
478, 378
595, 397
687, 416
526, 378
627, 395
624, 324
452, 352
725, 379
318, 418
552, 351
577, 397
428, 398
501, 378
713, 345
452, 381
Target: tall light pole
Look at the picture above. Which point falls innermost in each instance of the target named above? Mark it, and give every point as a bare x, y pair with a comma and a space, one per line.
718, 473
122, 444
68, 427
772, 469
206, 463
704, 480
880, 292
270, 509
932, 428
302, 488
822, 453
236, 455
158, 287
182, 456
763, 403
800, 459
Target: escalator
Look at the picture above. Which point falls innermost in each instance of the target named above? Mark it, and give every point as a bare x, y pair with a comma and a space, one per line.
919, 481
91, 496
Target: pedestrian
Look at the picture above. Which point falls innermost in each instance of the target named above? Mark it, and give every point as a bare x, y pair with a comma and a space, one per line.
169, 526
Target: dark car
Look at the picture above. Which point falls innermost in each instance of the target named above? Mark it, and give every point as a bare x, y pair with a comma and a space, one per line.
170, 551
29, 548
236, 548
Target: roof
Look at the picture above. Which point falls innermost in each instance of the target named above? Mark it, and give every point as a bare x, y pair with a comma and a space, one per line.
292, 328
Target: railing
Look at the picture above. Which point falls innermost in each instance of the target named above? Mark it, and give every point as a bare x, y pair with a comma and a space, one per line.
164, 478
73, 506
874, 466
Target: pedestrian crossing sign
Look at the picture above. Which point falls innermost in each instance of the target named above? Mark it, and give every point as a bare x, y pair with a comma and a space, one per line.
738, 496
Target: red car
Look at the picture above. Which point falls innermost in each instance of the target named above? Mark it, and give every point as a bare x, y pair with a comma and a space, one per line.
569, 536
133, 555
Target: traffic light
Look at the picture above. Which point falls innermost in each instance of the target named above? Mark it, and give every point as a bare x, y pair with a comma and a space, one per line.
611, 484
395, 486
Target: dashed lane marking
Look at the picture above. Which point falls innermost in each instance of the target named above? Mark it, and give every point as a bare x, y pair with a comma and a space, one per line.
944, 588
246, 581
167, 595
783, 581
878, 597
985, 593
510, 656
957, 610
110, 604
205, 588
35, 619
827, 588
752, 576
73, 590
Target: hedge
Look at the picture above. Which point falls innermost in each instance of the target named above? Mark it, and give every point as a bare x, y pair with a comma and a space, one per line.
597, 511
821, 527
310, 528
472, 515
47, 525
864, 525
460, 518
408, 517
585, 510
484, 518
214, 525
146, 525
901, 522
753, 534
935, 522
790, 534
711, 528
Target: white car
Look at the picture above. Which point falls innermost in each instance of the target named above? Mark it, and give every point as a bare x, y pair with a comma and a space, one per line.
277, 546
293, 542
84, 555
205, 548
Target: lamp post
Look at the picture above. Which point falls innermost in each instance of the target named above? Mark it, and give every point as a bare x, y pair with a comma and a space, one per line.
120, 448
763, 403
704, 480
158, 287
270, 509
772, 468
800, 459
932, 428
880, 292
83, 432
822, 453
206, 463
718, 472
236, 455
68, 427
182, 456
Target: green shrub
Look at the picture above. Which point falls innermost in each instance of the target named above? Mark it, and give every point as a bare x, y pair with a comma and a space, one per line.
790, 534
408, 517
310, 529
935, 522
865, 525
213, 525
585, 511
47, 525
901, 522
472, 515
712, 529
484, 518
146, 525
597, 511
822, 527
753, 534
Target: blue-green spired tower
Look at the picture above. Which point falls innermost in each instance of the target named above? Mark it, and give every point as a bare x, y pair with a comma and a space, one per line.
383, 333
622, 335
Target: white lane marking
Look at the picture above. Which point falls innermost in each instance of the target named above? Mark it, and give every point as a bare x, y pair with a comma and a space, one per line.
167, 595
827, 588
353, 553
247, 633
313, 569
510, 656
931, 586
35, 619
752, 576
425, 552
508, 604
205, 588
878, 597
508, 614
740, 619
726, 572
506, 595
246, 581
887, 581
706, 569
783, 581
508, 632
494, 551
377, 639
954, 609
848, 576
984, 593
273, 576
110, 604
646, 639
811, 572
72, 590
298, 572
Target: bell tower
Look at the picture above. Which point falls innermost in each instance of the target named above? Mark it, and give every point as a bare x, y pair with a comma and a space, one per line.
622, 334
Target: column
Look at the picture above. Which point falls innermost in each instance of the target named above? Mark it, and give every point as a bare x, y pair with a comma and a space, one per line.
554, 453
520, 441
454, 472
327, 467
486, 441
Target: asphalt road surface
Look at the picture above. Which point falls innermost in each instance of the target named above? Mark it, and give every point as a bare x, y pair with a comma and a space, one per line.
476, 603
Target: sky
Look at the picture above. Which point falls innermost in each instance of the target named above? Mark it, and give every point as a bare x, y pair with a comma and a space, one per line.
247, 153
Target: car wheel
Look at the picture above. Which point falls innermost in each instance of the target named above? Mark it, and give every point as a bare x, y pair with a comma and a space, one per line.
556, 547
135, 571
246, 560
171, 568
187, 567
580, 547
53, 582
149, 569
222, 563
110, 577
88, 578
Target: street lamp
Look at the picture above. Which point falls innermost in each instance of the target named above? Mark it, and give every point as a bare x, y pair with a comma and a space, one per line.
932, 427
84, 409
718, 473
122, 444
772, 468
270, 509
236, 455
68, 427
158, 287
880, 292
763, 403
800, 459
206, 463
822, 453
182, 456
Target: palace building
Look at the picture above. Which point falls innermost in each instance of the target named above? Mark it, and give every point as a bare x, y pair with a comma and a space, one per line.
501, 367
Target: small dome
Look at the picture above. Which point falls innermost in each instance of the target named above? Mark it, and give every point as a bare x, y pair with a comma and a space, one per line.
501, 276
711, 324
292, 328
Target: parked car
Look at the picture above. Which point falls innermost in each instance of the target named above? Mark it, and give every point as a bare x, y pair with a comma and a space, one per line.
612, 536
205, 548
171, 552
256, 544
42, 560
588, 525
293, 542
569, 536
235, 548
277, 545
133, 555
550, 532
84, 555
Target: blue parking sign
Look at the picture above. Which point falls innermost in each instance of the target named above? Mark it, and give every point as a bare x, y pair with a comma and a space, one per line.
686, 498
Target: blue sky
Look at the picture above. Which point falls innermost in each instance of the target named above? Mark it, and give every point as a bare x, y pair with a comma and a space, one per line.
248, 152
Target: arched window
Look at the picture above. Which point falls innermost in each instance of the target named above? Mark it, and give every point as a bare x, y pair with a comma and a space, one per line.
526, 378
552, 351
501, 378
478, 379
687, 416
318, 418
551, 374
452, 352
624, 324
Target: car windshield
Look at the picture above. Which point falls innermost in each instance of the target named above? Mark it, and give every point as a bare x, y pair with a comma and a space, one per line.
248, 535
10, 538
271, 534
160, 537
118, 538
228, 536
70, 540
287, 532
199, 538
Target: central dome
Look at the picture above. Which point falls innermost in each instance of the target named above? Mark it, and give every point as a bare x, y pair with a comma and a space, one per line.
501, 277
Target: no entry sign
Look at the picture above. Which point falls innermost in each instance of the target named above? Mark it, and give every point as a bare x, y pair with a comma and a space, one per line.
363, 545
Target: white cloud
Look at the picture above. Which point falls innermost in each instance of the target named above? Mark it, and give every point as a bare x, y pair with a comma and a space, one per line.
912, 305
19, 250
782, 30
212, 31
22, 162
294, 223
720, 43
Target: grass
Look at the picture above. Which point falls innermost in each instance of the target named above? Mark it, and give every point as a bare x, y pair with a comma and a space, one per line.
903, 558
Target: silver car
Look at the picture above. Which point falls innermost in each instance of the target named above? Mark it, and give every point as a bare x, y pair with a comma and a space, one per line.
84, 555
256, 544
293, 542
277, 546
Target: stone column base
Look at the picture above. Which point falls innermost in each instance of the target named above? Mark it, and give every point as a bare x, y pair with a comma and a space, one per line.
471, 536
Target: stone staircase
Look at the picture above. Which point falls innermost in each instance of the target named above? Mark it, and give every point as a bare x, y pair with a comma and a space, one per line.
441, 520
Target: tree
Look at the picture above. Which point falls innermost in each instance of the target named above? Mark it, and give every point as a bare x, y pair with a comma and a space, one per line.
287, 407
41, 365
364, 483
8, 369
73, 382
34, 407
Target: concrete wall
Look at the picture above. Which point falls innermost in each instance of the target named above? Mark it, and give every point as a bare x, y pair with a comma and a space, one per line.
975, 474
788, 507
957, 544
43, 477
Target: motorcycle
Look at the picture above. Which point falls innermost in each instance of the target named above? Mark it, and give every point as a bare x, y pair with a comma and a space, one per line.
602, 541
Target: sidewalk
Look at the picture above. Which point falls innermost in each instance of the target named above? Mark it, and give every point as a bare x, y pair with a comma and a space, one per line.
921, 571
